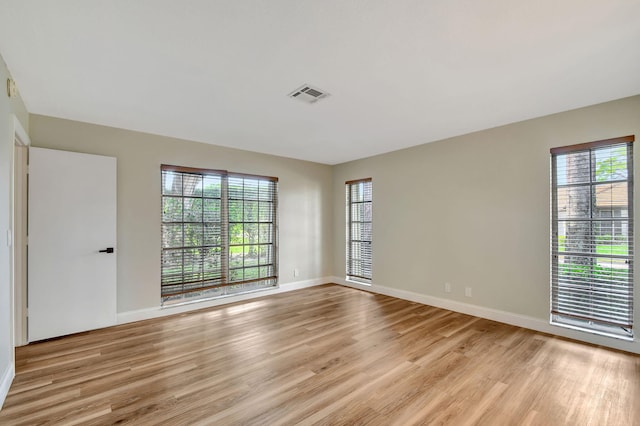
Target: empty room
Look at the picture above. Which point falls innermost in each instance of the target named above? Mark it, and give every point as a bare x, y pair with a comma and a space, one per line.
319, 212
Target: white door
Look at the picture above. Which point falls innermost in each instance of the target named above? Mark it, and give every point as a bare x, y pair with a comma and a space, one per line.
72, 217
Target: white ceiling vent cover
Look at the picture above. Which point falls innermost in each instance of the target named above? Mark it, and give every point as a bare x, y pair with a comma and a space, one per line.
308, 94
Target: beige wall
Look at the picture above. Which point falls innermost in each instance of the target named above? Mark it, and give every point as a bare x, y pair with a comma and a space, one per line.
305, 199
471, 210
474, 210
8, 108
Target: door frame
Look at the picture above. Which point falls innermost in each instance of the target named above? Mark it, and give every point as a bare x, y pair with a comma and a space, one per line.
18, 231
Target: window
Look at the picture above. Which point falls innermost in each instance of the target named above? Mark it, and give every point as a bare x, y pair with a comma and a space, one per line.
218, 233
592, 237
359, 219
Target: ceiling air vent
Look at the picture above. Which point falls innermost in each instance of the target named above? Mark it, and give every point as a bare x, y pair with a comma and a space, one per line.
308, 94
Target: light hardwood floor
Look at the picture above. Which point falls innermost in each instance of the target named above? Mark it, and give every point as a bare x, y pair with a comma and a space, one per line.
324, 355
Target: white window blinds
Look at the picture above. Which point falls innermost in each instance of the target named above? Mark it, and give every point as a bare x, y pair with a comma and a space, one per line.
592, 237
218, 230
359, 236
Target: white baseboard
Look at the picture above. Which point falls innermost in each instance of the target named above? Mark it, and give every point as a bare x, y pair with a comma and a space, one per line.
157, 311
5, 382
523, 321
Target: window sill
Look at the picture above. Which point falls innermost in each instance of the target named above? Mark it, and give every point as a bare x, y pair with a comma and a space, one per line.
604, 333
210, 297
357, 281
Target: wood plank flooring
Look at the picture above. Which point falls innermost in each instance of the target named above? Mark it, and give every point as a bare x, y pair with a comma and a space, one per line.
326, 355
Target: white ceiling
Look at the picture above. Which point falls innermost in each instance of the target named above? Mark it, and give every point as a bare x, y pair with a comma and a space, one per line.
400, 72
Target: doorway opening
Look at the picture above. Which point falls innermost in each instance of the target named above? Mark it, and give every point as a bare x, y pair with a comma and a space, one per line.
18, 232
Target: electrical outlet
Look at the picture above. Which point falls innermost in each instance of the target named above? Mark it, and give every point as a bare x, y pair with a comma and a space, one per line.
296, 272
467, 291
447, 287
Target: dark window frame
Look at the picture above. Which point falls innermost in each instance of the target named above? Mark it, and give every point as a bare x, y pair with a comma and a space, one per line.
223, 251
592, 273
359, 233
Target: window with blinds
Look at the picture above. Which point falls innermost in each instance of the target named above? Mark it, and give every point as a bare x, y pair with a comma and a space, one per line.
359, 221
592, 237
218, 233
